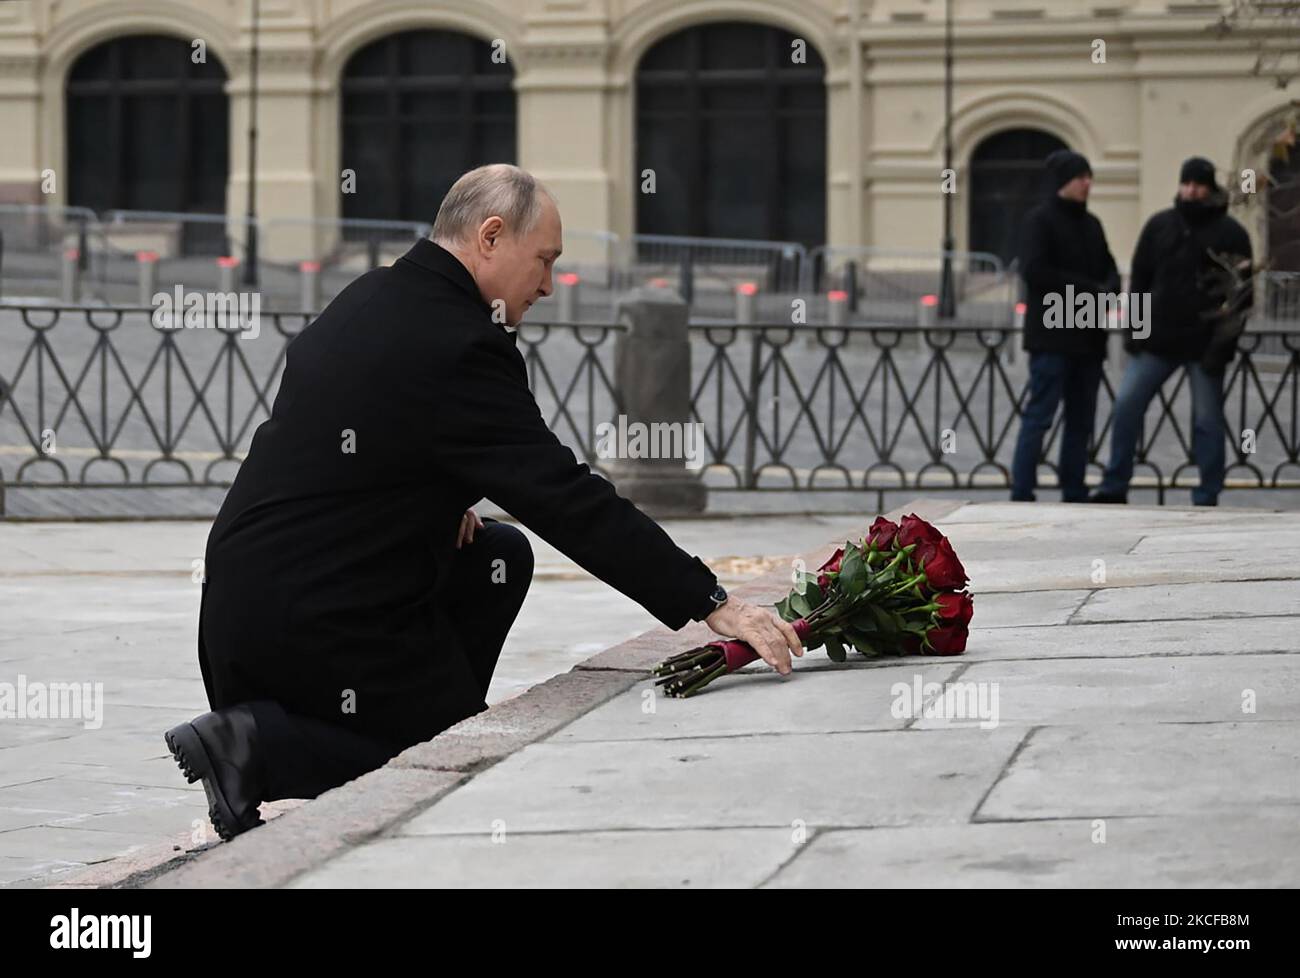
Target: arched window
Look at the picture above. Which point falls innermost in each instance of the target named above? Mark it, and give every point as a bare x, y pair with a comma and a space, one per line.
731, 117
419, 109
148, 128
1007, 179
1284, 213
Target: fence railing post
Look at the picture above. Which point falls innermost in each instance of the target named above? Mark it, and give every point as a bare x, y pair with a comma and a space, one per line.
147, 271
70, 279
851, 284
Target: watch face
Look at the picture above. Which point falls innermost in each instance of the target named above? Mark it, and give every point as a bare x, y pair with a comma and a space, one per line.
719, 595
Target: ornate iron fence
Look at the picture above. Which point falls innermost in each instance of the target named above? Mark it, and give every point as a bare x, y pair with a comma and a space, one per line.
102, 398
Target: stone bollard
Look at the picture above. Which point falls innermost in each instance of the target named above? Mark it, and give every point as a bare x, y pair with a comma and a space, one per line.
1013, 341
927, 312
837, 307
566, 297
147, 272
310, 282
746, 303
71, 275
652, 373
226, 266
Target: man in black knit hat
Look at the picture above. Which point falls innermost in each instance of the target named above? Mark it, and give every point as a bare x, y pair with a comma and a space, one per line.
1176, 257
1063, 252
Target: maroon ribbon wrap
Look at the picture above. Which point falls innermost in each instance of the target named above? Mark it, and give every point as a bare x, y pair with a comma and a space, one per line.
738, 653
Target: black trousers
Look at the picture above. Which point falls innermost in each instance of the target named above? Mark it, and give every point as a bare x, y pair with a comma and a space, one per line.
305, 756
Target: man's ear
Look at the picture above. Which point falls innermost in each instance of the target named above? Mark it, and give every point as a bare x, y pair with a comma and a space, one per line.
489, 234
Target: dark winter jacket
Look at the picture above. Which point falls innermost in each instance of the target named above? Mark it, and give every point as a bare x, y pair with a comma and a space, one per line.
1063, 245
1172, 262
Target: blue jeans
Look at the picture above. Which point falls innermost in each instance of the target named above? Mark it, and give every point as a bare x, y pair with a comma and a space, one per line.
1054, 377
1145, 373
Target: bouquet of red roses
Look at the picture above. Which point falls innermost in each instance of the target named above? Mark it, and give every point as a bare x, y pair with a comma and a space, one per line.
899, 590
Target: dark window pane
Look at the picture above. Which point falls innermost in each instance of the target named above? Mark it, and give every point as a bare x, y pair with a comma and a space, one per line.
134, 143
94, 64
91, 172
370, 62
1006, 182
498, 105
155, 57
150, 162
209, 156
736, 186
805, 97
444, 107
435, 53
366, 153
496, 142
803, 159
736, 100
365, 105
667, 148
668, 54
456, 109
734, 46
739, 145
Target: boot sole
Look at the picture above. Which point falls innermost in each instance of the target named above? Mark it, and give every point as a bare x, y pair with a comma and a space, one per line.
192, 758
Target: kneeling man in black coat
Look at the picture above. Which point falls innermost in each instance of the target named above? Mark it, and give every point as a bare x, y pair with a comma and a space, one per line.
353, 603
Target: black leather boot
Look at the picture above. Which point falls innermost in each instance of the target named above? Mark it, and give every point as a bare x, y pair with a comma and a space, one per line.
221, 749
1108, 497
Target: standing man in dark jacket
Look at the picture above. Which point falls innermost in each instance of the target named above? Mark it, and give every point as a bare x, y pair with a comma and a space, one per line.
1172, 263
1063, 252
353, 605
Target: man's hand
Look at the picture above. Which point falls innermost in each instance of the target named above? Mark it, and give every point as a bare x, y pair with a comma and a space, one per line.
772, 637
468, 524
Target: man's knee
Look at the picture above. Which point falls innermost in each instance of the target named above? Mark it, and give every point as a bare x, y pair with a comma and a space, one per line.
511, 553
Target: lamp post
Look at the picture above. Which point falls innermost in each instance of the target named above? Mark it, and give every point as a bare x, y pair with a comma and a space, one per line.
250, 216
947, 297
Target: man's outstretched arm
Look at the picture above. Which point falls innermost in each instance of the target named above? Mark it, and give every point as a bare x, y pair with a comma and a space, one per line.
489, 435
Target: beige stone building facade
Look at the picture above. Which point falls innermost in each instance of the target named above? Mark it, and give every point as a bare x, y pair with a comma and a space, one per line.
1166, 89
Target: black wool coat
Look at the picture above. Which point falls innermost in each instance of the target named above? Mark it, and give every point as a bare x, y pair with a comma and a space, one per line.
1170, 262
322, 565
1061, 245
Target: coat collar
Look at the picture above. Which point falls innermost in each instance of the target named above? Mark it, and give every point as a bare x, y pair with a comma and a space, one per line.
437, 259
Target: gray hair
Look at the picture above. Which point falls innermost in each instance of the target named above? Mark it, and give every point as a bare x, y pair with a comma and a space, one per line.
495, 190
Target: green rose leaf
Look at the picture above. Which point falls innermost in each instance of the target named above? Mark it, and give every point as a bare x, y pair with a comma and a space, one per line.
835, 650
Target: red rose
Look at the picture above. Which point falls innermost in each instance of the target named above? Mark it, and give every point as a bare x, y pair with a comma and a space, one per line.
955, 608
831, 565
948, 640
882, 533
943, 571
913, 529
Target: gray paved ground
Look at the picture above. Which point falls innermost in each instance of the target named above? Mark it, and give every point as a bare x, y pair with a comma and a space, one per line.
115, 603
1139, 726
1148, 734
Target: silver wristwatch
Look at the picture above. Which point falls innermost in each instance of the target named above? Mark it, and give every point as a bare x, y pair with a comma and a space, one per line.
717, 598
